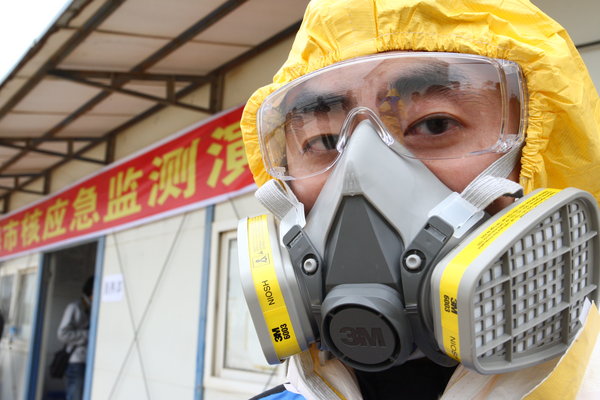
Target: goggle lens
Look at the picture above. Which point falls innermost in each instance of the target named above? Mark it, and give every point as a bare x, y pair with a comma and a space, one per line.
436, 105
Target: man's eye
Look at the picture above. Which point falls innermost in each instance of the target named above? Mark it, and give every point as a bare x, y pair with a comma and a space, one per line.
321, 143
432, 126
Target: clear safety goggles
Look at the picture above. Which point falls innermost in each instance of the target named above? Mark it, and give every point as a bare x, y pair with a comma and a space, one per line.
435, 105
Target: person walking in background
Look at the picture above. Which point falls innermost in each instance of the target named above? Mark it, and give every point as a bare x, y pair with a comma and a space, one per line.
73, 331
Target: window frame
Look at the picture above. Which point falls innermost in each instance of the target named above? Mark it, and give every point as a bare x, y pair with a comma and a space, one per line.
11, 298
217, 375
18, 304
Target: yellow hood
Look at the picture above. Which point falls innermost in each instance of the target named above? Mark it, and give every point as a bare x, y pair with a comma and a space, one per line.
563, 136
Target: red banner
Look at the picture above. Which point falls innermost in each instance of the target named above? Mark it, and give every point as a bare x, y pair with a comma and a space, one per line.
193, 169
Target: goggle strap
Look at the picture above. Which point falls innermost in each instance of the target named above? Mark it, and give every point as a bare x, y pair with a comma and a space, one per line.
492, 183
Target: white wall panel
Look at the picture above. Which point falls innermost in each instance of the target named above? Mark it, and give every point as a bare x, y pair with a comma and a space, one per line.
161, 264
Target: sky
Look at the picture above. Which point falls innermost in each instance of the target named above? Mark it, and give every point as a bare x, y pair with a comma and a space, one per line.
22, 22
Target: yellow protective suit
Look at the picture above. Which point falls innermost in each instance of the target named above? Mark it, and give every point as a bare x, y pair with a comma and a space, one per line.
562, 138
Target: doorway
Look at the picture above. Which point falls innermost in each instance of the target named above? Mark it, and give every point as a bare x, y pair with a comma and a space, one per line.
65, 273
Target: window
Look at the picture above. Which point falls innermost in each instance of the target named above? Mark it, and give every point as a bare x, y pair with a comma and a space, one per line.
242, 349
6, 288
237, 352
25, 305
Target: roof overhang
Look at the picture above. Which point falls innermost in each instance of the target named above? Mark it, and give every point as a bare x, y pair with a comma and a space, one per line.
105, 65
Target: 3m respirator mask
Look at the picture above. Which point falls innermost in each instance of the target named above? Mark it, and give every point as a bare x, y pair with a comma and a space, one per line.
390, 264
372, 277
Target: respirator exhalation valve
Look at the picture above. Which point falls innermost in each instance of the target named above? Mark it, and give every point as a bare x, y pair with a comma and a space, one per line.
365, 326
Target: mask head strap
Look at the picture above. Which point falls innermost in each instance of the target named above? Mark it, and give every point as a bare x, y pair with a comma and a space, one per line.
492, 183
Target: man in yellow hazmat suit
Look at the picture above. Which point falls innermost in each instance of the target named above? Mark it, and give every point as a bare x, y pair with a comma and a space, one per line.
454, 87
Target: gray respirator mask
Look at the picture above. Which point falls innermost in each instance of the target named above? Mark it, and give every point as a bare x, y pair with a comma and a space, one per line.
390, 264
